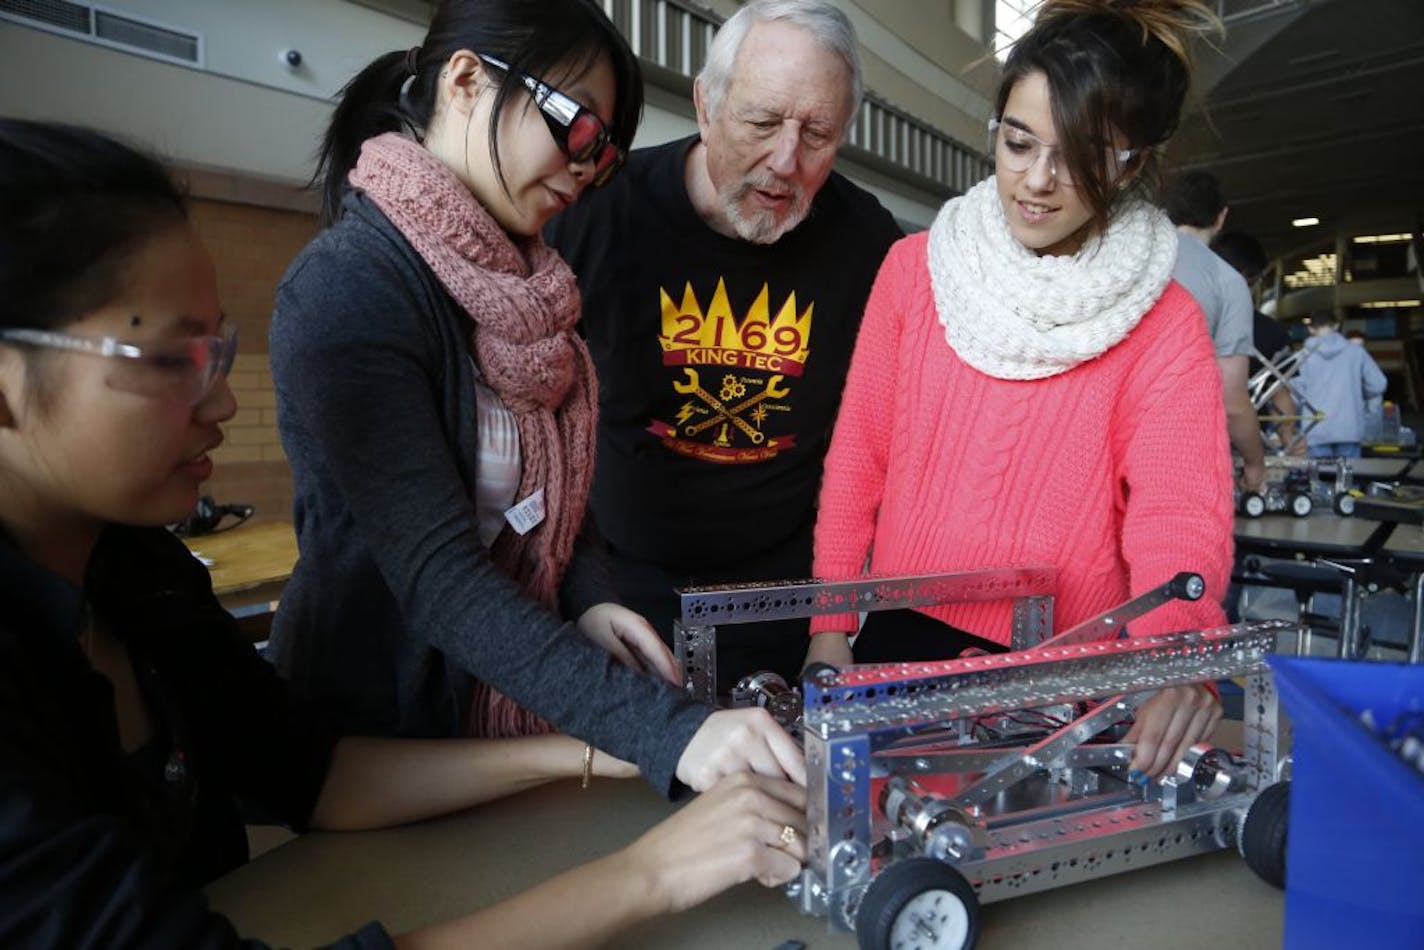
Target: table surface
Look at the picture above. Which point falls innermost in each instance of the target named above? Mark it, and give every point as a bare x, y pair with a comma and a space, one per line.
248, 556
321, 885
1405, 506
1323, 532
1406, 543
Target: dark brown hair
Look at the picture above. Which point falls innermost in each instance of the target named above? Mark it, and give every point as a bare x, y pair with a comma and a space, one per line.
1112, 66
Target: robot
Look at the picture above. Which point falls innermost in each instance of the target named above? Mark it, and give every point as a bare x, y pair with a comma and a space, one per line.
1295, 485
935, 788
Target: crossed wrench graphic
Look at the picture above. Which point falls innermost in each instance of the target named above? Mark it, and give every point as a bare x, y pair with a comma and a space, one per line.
733, 415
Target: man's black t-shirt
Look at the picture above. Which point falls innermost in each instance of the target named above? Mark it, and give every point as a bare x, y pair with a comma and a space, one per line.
720, 362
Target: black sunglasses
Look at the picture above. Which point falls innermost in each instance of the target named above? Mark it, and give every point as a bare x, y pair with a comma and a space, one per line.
579, 133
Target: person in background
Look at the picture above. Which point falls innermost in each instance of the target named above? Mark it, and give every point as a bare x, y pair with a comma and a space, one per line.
437, 409
1194, 202
1053, 391
1269, 339
721, 319
135, 715
1374, 405
1337, 379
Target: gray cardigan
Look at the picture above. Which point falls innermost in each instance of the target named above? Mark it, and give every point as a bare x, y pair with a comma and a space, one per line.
394, 599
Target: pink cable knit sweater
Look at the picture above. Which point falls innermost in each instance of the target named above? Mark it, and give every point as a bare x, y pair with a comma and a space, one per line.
1117, 472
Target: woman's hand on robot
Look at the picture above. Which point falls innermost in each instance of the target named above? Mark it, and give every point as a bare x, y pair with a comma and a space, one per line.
745, 827
740, 740
631, 640
1169, 724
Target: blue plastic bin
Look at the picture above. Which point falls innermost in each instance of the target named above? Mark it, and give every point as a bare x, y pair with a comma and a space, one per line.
1355, 851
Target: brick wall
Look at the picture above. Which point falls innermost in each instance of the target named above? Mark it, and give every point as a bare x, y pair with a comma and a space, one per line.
251, 248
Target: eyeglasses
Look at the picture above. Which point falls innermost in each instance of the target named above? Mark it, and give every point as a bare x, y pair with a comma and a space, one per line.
181, 371
580, 134
1018, 151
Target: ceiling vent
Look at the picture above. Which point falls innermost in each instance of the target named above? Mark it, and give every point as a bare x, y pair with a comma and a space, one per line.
108, 27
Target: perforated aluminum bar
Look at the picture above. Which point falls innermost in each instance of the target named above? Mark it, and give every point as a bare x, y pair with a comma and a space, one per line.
910, 694
1048, 752
950, 760
1185, 586
781, 600
695, 648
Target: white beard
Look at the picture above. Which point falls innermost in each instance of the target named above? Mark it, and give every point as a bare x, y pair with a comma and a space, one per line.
760, 227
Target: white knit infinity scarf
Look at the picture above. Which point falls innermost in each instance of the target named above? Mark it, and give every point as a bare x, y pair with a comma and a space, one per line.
1014, 315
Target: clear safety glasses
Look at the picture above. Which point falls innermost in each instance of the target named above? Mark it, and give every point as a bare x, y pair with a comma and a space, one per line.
181, 371
1019, 150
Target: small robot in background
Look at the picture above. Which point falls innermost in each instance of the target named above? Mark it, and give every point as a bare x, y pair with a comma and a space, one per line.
1295, 485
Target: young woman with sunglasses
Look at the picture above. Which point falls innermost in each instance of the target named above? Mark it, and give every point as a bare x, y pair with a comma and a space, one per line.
437, 407
1054, 395
133, 714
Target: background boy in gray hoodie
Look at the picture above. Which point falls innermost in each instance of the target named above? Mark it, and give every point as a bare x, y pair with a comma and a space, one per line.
1336, 378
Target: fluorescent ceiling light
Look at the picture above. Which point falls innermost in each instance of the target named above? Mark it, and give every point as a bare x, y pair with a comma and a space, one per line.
1305, 222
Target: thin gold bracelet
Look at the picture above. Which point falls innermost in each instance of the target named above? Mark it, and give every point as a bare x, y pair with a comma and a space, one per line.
587, 763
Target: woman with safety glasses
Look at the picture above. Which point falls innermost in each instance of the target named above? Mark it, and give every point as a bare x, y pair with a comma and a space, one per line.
1029, 387
438, 406
133, 714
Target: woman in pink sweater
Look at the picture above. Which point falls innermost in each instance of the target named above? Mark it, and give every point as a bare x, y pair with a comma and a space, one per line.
1030, 387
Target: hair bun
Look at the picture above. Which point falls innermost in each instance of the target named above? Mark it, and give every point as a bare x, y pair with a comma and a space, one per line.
1173, 23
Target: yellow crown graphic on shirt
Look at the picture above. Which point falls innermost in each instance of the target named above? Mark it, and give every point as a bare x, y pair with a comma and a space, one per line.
692, 336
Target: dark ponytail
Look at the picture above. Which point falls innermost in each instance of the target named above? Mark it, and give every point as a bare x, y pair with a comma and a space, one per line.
397, 92
1112, 66
367, 106
73, 205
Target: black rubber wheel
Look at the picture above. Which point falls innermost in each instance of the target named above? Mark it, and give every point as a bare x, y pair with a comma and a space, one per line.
1300, 505
1344, 504
1253, 505
1263, 834
919, 903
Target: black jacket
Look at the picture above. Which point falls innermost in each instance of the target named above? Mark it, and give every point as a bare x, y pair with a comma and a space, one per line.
102, 848
394, 602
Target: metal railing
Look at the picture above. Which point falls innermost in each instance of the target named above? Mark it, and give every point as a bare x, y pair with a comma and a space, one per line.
676, 36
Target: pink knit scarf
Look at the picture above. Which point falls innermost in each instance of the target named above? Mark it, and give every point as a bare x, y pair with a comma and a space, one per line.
525, 303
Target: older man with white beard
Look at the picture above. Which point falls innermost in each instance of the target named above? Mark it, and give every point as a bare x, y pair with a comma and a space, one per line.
723, 280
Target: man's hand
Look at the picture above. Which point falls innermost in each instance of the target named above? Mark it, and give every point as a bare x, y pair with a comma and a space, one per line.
1252, 477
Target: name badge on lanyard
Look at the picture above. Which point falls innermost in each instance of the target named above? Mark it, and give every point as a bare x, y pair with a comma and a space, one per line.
528, 514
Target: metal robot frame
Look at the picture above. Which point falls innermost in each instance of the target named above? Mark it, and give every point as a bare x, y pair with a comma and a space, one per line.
1030, 792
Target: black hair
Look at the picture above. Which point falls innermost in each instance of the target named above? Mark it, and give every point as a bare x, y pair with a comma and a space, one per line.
1112, 66
1194, 199
1242, 252
73, 205
396, 92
